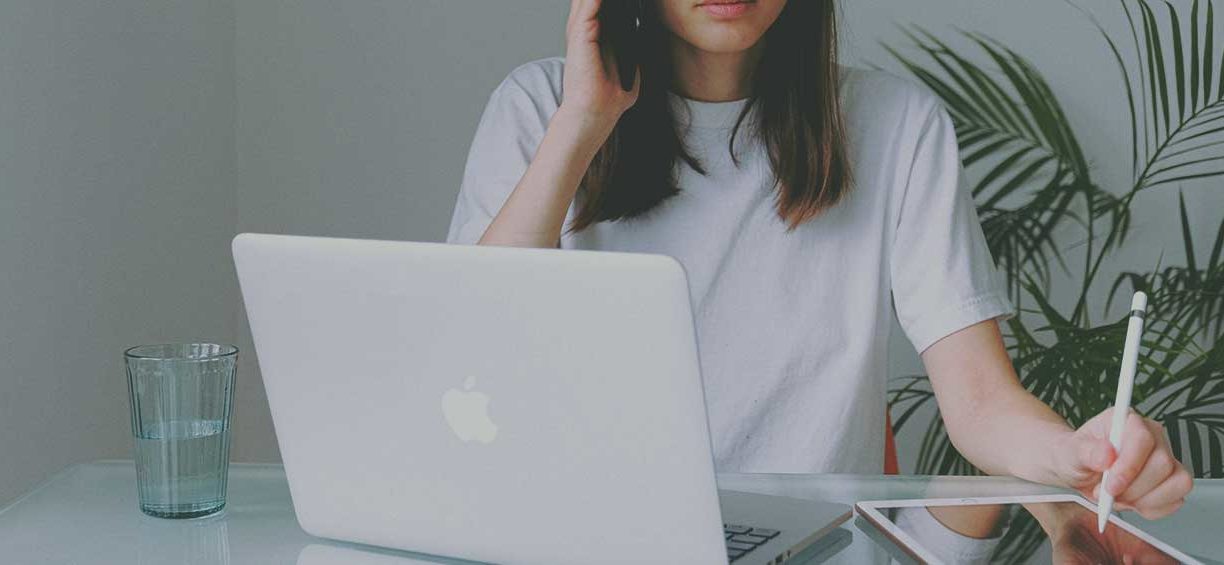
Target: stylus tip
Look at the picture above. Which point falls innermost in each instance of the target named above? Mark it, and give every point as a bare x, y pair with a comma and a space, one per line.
1102, 519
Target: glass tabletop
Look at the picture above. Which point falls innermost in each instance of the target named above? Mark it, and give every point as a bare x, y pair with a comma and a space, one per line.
88, 514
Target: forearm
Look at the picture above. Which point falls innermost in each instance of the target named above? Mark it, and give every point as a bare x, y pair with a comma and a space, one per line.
1003, 429
534, 214
991, 419
1009, 432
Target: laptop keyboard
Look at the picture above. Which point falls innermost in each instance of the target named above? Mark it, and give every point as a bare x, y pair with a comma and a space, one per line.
741, 540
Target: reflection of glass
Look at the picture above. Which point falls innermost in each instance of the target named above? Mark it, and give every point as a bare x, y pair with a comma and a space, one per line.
181, 399
188, 542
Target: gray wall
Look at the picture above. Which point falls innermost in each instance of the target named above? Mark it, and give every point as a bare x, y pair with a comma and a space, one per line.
140, 135
116, 206
356, 121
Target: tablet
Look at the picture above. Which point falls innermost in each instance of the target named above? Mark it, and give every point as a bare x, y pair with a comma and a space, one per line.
1060, 528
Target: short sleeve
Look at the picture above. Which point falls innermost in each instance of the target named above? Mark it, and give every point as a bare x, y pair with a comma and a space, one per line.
947, 544
506, 140
943, 276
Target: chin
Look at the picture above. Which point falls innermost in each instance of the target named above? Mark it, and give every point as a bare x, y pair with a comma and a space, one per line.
722, 38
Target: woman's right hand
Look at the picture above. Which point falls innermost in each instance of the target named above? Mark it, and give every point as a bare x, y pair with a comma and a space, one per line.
591, 104
592, 93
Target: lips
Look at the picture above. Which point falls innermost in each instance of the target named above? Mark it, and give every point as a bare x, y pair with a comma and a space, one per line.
726, 8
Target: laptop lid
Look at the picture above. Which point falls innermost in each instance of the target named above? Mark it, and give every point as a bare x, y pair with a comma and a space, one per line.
509, 405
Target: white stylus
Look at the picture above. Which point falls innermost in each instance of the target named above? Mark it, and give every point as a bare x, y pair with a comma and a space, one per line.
1126, 384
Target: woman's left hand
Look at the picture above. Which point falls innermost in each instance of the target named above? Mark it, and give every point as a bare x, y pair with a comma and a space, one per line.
1144, 476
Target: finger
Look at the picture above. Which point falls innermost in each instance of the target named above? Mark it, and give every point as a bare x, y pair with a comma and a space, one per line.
1137, 445
588, 10
1099, 424
581, 12
575, 6
582, 29
609, 64
1158, 467
1089, 457
637, 85
1159, 512
1095, 455
1170, 493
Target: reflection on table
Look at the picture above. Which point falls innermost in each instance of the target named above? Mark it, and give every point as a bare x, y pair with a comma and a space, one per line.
89, 514
1060, 532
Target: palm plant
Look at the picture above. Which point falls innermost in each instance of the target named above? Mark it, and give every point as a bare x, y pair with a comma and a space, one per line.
1034, 181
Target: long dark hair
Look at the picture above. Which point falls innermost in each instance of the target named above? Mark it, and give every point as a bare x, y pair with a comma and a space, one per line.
799, 121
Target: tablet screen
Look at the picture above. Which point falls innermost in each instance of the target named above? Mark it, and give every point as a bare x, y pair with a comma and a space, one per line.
1036, 532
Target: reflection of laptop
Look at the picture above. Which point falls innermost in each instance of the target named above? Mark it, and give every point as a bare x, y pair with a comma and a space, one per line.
508, 405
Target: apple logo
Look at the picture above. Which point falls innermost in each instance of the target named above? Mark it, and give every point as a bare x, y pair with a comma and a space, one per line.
467, 413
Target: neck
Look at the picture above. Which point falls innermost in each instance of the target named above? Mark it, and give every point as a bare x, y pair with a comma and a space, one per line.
713, 77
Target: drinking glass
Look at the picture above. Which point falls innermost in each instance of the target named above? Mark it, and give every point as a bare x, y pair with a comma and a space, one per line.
182, 396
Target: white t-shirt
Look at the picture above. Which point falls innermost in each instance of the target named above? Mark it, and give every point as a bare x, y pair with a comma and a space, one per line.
792, 327
945, 543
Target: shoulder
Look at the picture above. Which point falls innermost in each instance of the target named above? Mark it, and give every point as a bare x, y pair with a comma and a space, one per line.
873, 95
527, 97
539, 80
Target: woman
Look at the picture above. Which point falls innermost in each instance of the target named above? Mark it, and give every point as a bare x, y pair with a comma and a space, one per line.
804, 199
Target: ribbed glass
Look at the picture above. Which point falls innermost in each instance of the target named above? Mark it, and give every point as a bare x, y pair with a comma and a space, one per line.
182, 396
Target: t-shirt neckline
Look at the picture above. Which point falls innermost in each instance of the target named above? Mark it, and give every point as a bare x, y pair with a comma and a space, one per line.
695, 113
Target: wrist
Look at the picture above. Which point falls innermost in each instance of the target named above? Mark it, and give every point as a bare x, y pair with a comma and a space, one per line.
1051, 466
587, 129
1039, 454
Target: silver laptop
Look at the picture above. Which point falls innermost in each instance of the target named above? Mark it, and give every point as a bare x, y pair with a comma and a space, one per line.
500, 405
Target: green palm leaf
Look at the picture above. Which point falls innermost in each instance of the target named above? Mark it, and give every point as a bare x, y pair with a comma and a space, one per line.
1194, 292
1193, 413
1033, 179
1016, 131
1183, 120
